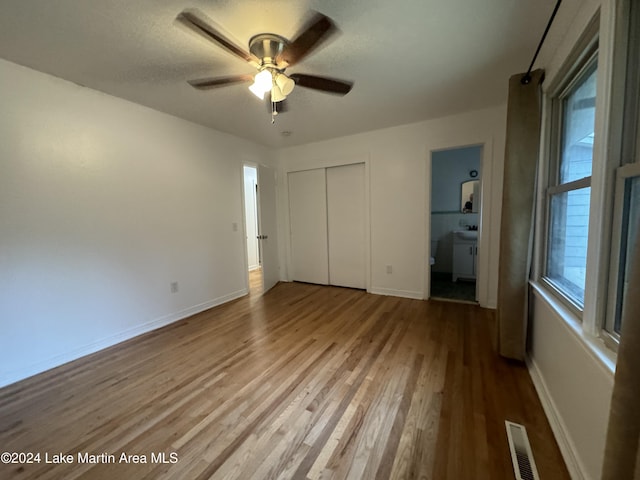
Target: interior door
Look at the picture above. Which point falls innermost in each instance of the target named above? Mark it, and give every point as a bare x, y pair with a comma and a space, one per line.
308, 224
346, 225
267, 234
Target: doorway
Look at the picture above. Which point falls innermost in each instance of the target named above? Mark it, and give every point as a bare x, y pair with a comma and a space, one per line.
261, 240
251, 215
455, 223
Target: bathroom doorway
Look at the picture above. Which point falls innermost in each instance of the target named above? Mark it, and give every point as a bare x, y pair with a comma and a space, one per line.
455, 223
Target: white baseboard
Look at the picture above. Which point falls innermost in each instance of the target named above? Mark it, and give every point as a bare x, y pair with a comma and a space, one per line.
60, 359
567, 448
397, 293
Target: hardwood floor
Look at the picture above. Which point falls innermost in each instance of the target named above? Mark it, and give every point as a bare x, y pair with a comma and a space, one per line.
255, 282
301, 382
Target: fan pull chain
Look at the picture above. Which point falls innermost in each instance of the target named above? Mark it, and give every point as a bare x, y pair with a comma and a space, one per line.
274, 112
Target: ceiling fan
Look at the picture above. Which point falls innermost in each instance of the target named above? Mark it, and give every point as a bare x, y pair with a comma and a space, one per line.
271, 55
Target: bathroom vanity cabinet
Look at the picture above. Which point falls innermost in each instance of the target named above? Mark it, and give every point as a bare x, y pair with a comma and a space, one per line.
465, 252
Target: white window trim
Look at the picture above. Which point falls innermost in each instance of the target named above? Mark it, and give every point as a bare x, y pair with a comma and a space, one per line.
569, 186
624, 140
623, 173
604, 166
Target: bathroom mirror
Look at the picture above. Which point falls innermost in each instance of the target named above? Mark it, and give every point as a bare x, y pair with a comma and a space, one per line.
470, 196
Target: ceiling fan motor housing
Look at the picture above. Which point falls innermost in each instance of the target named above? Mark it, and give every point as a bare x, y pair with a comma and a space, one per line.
268, 47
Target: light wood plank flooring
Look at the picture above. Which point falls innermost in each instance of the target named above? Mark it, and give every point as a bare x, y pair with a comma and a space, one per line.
255, 282
301, 382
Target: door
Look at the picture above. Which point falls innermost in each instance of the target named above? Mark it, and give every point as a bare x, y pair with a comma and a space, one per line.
267, 225
308, 225
346, 225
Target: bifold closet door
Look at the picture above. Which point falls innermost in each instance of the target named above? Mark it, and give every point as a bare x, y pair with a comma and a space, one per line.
346, 225
308, 223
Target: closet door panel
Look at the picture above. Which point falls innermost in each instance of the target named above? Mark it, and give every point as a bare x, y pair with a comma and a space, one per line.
308, 222
346, 225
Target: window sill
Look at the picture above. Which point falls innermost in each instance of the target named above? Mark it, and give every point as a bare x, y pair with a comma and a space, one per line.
592, 343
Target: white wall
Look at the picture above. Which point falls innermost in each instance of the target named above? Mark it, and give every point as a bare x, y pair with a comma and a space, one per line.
571, 368
398, 162
574, 386
104, 203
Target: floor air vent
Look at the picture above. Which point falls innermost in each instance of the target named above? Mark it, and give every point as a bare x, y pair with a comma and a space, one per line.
523, 464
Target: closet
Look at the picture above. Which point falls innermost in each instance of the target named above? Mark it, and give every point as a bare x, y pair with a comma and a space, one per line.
327, 225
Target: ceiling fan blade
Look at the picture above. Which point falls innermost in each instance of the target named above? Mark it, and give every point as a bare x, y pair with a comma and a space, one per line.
329, 85
197, 21
207, 83
315, 31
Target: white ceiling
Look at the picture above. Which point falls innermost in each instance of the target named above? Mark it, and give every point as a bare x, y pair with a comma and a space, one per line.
410, 60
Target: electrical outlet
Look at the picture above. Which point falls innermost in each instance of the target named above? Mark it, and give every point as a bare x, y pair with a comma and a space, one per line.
234, 226
174, 287
389, 269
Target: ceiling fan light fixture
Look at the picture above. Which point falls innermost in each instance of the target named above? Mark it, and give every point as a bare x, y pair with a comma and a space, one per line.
262, 83
257, 91
285, 84
276, 94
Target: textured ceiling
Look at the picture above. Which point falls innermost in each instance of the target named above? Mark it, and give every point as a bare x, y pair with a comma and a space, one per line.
409, 59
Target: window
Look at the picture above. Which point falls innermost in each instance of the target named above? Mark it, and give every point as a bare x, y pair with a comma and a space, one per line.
625, 233
625, 139
590, 199
569, 191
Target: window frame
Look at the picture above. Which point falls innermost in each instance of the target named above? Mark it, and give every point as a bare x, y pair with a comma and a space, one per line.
615, 33
624, 139
583, 62
623, 173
